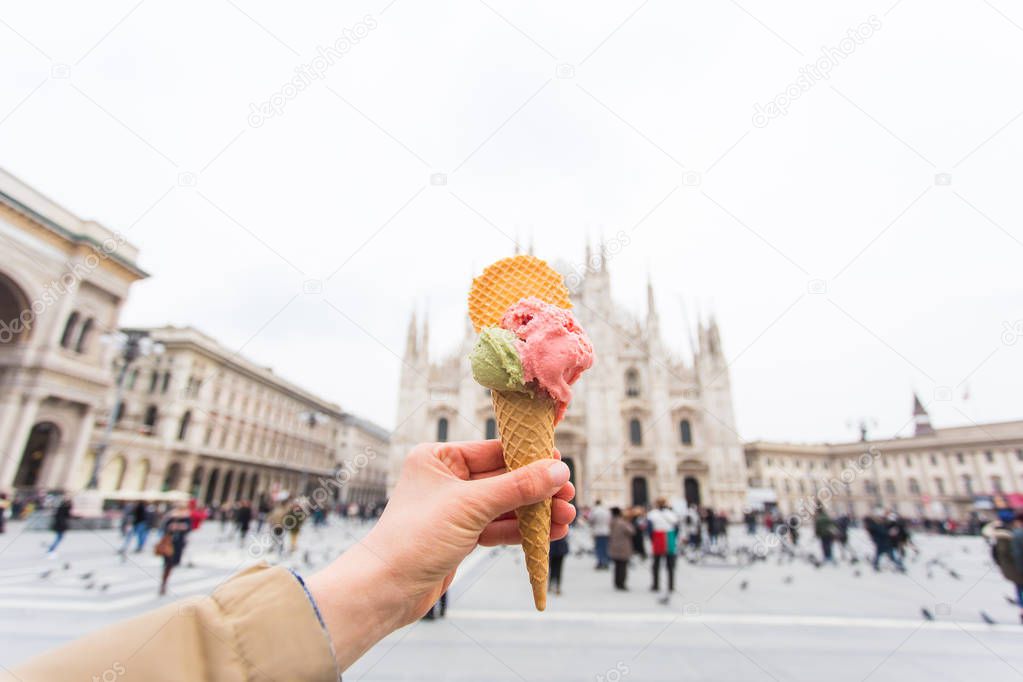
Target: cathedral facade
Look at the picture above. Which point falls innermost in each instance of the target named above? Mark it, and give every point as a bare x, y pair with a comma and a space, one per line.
646, 421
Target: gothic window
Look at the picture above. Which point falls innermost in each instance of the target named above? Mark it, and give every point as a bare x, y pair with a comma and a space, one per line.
69, 330
686, 433
154, 378
166, 382
967, 484
914, 487
186, 419
442, 429
635, 432
889, 486
632, 383
939, 486
868, 487
491, 429
150, 419
84, 336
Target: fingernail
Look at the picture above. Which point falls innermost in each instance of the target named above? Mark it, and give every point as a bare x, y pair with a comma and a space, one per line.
559, 473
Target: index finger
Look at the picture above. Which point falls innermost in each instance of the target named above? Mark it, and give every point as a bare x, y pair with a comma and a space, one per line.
482, 455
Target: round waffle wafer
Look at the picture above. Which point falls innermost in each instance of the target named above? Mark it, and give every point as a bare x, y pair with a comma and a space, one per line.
508, 281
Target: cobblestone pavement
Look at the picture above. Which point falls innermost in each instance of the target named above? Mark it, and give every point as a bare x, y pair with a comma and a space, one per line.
777, 619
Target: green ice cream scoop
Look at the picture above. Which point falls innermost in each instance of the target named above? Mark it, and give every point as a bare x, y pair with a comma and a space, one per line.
495, 361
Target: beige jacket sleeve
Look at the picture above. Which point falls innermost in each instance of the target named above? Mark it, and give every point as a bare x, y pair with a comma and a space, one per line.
259, 625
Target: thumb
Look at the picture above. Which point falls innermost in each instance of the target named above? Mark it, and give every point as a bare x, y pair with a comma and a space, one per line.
532, 483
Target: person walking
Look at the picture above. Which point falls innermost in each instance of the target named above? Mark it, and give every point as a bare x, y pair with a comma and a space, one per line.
243, 519
1006, 541
882, 535
751, 522
824, 529
600, 523
620, 546
61, 522
664, 524
842, 524
558, 552
711, 522
641, 525
176, 527
142, 520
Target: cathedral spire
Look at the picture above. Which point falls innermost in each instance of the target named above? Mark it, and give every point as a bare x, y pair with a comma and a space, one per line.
426, 332
922, 419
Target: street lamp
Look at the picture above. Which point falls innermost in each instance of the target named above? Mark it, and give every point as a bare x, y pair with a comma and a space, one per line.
312, 419
131, 344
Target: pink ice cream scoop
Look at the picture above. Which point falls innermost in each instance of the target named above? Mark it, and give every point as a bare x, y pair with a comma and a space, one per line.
553, 348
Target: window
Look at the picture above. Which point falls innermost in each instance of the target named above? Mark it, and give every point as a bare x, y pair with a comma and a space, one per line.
1019, 455
166, 382
118, 413
802, 489
934, 460
186, 419
967, 484
889, 486
909, 461
491, 429
69, 330
632, 383
914, 487
959, 457
442, 429
85, 336
939, 486
686, 433
868, 487
996, 484
787, 487
989, 456
132, 378
768, 461
635, 432
154, 378
149, 420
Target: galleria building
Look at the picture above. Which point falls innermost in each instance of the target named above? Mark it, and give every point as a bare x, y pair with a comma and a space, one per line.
645, 422
196, 417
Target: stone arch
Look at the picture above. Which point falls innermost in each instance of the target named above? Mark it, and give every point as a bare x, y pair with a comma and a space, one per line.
43, 441
85, 336
14, 308
142, 473
111, 476
171, 477
70, 328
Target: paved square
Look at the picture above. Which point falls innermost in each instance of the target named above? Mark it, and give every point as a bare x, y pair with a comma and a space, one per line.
771, 620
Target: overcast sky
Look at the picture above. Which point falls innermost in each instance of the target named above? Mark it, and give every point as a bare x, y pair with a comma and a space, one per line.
860, 242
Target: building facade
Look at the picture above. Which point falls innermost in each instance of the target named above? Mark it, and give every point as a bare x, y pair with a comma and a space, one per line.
933, 474
646, 421
199, 418
63, 281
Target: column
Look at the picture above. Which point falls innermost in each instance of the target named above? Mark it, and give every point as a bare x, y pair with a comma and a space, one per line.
64, 476
10, 407
16, 444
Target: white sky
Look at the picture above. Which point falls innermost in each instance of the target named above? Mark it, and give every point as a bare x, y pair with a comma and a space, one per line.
661, 93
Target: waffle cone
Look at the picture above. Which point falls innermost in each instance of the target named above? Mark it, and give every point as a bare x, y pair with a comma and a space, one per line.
508, 281
526, 427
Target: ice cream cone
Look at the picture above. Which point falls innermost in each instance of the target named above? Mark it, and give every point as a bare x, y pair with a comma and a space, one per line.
525, 423
526, 427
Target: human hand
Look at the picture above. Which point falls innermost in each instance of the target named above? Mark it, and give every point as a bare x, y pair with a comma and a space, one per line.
450, 498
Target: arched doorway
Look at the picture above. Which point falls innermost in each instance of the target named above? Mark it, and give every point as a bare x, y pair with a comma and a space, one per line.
195, 487
42, 442
640, 491
172, 477
13, 303
211, 486
225, 494
691, 490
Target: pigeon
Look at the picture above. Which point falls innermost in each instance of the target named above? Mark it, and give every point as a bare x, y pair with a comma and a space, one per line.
46, 574
663, 601
103, 588
787, 580
67, 566
986, 618
744, 584
86, 576
90, 586
954, 574
857, 573
927, 614
1012, 602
